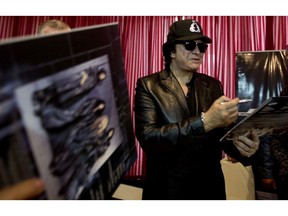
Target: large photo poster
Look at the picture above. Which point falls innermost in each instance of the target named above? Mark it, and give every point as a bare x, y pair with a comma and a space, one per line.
66, 119
261, 77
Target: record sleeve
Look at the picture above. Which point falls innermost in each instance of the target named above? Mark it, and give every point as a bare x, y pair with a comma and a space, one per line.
269, 118
65, 114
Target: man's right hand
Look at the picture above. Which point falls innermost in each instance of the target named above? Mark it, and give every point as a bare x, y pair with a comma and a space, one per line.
222, 113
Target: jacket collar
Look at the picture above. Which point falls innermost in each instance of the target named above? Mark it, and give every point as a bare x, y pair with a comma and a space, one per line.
171, 83
201, 96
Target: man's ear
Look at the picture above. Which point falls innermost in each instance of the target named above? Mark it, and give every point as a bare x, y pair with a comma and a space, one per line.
172, 54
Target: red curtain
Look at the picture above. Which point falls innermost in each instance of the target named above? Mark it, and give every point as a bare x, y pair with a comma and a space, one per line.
142, 38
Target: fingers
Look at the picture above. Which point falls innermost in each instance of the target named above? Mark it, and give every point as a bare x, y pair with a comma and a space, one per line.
247, 144
228, 110
222, 113
229, 103
27, 189
222, 100
242, 148
232, 114
255, 138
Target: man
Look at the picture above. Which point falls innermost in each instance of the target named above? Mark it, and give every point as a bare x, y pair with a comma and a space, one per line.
179, 117
53, 26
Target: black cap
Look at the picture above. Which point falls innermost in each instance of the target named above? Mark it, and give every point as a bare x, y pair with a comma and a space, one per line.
184, 30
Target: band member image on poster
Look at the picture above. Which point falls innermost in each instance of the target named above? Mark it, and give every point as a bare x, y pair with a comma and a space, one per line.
72, 125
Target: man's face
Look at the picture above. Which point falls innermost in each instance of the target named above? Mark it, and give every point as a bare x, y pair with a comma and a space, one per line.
187, 60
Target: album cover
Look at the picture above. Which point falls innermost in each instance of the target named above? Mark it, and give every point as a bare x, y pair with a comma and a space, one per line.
65, 113
269, 118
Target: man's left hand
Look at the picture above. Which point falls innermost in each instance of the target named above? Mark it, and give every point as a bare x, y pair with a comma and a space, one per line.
247, 144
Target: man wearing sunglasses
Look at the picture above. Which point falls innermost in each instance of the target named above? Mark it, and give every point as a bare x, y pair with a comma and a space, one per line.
180, 115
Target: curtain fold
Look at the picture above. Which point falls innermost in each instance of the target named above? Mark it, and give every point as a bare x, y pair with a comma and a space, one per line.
142, 38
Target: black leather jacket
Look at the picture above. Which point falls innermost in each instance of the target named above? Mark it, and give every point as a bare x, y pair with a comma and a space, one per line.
183, 162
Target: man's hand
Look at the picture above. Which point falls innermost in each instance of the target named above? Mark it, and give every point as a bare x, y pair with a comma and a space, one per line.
24, 190
247, 144
222, 113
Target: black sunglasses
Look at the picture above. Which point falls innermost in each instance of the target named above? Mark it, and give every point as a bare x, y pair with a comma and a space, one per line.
191, 45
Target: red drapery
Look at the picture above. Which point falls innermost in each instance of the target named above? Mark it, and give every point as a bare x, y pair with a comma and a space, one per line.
142, 38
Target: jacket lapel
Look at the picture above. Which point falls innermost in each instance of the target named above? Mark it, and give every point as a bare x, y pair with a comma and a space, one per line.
170, 82
201, 90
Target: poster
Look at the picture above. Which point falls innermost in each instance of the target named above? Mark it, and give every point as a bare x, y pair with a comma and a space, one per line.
65, 113
262, 75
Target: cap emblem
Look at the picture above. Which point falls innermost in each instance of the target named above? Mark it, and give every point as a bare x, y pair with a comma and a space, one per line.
194, 27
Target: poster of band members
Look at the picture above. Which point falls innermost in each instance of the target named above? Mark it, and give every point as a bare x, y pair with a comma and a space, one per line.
72, 126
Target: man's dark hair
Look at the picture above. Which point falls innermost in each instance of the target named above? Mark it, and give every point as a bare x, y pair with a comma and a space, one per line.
167, 48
